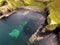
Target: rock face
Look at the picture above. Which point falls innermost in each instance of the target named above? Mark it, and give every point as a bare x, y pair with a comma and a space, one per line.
50, 39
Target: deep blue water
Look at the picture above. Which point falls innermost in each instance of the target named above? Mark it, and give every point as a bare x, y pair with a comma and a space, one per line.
13, 22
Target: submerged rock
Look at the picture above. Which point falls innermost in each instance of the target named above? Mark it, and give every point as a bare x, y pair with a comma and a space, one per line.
14, 33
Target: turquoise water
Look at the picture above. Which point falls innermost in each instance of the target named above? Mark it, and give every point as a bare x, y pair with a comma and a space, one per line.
26, 26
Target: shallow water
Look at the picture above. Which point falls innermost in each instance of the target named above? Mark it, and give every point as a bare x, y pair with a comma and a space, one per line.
30, 24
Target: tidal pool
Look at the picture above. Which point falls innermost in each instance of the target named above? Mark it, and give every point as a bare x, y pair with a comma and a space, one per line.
17, 28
